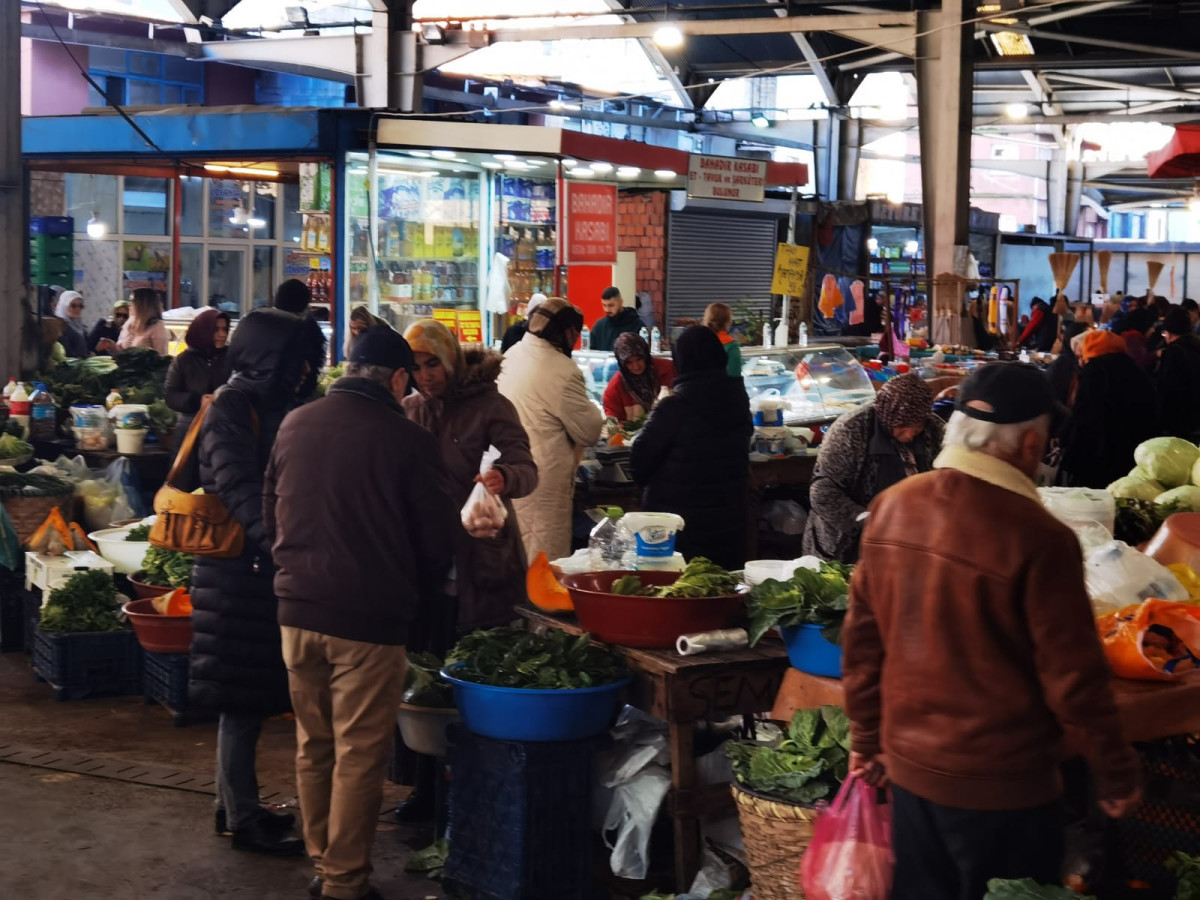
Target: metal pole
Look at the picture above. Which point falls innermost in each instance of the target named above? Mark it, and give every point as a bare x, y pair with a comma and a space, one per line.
13, 228
785, 319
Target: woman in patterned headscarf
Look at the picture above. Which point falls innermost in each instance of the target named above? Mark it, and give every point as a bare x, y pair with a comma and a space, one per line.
634, 388
864, 453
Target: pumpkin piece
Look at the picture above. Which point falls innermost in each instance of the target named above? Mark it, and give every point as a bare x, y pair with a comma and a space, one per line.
79, 539
543, 587
52, 537
173, 603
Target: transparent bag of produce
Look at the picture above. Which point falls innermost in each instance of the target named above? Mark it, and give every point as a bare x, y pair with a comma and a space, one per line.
484, 514
1118, 576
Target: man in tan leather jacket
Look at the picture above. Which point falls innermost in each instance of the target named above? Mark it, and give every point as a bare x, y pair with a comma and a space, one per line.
970, 646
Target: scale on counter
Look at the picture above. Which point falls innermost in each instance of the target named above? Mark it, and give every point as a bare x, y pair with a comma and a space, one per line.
614, 465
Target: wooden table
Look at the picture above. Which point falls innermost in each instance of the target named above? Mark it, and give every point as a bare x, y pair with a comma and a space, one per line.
683, 690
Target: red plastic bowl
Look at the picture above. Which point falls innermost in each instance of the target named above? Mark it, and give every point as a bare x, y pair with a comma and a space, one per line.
652, 622
145, 591
158, 633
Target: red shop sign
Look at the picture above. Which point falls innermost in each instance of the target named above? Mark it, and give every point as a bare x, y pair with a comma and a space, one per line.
591, 223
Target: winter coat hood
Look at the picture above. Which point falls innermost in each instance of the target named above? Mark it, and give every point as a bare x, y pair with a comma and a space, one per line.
267, 354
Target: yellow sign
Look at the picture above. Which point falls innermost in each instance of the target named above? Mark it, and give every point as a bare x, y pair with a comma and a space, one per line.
470, 326
791, 270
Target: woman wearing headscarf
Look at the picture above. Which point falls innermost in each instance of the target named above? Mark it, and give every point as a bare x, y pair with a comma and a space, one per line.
145, 327
201, 368
552, 401
633, 390
458, 401
361, 319
74, 338
1111, 413
864, 453
236, 666
691, 457
109, 329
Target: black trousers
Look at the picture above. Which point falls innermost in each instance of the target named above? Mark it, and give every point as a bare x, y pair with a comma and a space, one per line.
944, 853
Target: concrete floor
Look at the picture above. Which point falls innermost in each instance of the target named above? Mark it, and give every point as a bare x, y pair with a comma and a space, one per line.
67, 835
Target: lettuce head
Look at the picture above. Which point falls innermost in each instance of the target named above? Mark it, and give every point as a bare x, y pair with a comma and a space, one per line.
1167, 460
1186, 497
1135, 486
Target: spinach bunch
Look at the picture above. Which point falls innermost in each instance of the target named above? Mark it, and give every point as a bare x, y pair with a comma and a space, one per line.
138, 533
1138, 520
87, 602
809, 764
555, 660
424, 684
807, 598
1027, 889
700, 578
166, 568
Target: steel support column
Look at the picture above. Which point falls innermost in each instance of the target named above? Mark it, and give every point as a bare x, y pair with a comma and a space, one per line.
827, 156
944, 79
850, 151
1056, 192
13, 230
1074, 197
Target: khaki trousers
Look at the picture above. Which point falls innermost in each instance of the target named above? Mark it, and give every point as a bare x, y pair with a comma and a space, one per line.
345, 695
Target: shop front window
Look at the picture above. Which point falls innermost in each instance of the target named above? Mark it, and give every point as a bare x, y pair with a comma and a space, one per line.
191, 278
145, 202
226, 280
262, 285
195, 202
293, 221
91, 195
225, 199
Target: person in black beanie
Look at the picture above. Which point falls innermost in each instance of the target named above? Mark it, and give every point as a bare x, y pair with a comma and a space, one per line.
708, 409
293, 296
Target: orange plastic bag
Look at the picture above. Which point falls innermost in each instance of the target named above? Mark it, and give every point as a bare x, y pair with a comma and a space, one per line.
850, 857
1157, 640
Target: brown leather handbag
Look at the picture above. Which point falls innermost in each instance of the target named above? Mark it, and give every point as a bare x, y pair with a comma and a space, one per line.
194, 523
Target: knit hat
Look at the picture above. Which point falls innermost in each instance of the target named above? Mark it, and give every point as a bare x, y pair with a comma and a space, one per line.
382, 346
903, 402
698, 349
1102, 343
432, 337
293, 296
1177, 321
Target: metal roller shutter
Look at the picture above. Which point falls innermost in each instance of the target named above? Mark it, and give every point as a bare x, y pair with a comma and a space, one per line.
719, 259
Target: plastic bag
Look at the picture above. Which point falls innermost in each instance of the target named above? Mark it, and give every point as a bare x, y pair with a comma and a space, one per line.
850, 857
785, 516
638, 783
1155, 641
105, 497
484, 511
1119, 576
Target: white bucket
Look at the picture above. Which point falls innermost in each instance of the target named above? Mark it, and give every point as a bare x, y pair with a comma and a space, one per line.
653, 534
131, 440
130, 414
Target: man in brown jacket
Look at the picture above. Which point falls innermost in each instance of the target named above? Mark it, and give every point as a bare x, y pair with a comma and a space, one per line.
970, 646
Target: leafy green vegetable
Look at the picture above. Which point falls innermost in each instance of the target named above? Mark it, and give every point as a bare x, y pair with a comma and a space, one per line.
431, 860
555, 660
166, 568
424, 684
807, 598
139, 533
700, 578
1167, 460
138, 374
808, 764
629, 586
162, 418
13, 484
328, 377
87, 602
12, 447
1138, 520
1187, 873
1027, 889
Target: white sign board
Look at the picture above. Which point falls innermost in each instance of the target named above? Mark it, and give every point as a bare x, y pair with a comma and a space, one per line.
726, 178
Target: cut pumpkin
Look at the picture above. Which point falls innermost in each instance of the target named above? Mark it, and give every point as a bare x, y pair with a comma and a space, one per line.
174, 603
53, 537
543, 588
79, 539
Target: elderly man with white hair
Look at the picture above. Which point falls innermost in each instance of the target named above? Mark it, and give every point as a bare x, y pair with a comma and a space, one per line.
970, 646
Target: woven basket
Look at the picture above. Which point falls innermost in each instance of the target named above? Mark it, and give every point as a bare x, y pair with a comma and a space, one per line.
29, 512
776, 834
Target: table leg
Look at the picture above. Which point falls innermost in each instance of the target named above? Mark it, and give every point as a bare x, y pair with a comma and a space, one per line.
687, 828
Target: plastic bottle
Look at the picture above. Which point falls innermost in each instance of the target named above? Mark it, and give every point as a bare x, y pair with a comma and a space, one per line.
19, 408
644, 334
9, 388
113, 399
585, 338
42, 415
803, 334
609, 541
655, 340
781, 334
767, 334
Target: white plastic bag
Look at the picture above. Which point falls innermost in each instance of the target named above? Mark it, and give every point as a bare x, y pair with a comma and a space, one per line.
1119, 576
484, 512
639, 782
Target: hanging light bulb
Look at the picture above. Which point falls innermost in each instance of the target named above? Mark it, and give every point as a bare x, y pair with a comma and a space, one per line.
96, 228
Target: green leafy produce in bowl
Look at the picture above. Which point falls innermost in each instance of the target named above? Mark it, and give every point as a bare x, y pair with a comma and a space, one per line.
139, 533
807, 598
166, 568
13, 447
700, 578
808, 764
512, 658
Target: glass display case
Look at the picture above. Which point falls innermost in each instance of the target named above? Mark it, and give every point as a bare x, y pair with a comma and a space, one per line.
819, 382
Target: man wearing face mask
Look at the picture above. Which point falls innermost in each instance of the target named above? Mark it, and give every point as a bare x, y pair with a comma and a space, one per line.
970, 646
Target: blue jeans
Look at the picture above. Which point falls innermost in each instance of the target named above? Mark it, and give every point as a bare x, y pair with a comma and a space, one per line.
237, 781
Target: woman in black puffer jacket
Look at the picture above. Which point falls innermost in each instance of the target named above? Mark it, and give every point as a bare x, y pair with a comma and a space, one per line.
691, 456
236, 658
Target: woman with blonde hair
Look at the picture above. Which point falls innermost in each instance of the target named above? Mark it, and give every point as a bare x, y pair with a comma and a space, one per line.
145, 327
361, 319
718, 317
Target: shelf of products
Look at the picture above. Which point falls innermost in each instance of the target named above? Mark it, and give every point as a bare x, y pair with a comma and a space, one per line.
527, 233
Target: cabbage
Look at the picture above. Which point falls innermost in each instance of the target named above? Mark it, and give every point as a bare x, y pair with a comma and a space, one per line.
1167, 460
1196, 472
1185, 497
1135, 486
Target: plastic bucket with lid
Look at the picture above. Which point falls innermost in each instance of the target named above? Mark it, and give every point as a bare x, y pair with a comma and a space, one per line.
653, 533
130, 415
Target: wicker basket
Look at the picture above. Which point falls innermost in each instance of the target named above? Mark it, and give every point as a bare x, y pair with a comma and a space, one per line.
776, 834
28, 512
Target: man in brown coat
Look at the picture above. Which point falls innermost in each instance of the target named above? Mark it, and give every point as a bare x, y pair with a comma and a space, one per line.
970, 646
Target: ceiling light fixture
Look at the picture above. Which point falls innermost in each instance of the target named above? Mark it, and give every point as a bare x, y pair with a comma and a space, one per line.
570, 163
628, 172
602, 168
759, 119
668, 36
240, 216
442, 154
1016, 110
96, 228
503, 157
582, 173
665, 174
1011, 43
423, 154
241, 170
492, 164
911, 248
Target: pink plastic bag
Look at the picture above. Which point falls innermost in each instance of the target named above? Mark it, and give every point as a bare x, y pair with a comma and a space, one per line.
850, 857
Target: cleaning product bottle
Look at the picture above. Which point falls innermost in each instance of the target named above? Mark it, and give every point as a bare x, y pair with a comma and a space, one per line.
42, 414
644, 334
19, 409
767, 334
803, 334
608, 543
585, 338
781, 334
655, 340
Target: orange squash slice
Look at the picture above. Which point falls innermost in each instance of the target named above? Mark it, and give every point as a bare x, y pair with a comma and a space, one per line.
53, 537
543, 588
175, 603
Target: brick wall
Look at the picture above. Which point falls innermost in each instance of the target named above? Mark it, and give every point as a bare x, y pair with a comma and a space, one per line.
642, 228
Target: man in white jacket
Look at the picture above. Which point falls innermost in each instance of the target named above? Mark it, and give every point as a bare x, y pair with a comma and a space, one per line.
548, 390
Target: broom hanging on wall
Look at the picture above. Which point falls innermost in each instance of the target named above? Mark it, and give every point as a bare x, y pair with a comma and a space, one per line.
1153, 270
1062, 266
1104, 259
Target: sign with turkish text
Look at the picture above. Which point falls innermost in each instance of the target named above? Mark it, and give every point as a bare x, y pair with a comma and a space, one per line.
791, 270
470, 326
726, 178
447, 317
591, 224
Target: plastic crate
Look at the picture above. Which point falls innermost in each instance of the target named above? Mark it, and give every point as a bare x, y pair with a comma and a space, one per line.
57, 226
52, 245
46, 572
60, 275
519, 818
165, 681
79, 665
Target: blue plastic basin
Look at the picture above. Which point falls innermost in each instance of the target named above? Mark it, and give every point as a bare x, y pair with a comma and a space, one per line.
809, 652
528, 714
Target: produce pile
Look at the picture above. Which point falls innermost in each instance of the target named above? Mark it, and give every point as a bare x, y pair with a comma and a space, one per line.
512, 658
166, 568
12, 447
1027, 889
700, 578
14, 484
807, 598
1167, 473
87, 602
424, 684
138, 534
139, 375
808, 764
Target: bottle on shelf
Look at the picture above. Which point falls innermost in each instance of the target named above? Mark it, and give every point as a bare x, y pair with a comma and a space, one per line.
644, 334
803, 334
42, 414
767, 344
19, 408
609, 541
655, 340
585, 338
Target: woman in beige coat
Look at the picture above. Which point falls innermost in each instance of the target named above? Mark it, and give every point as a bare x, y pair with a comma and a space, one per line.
547, 388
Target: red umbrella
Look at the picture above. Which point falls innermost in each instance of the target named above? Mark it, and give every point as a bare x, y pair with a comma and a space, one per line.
1180, 158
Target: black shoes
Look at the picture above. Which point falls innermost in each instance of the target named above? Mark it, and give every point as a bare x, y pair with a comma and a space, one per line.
277, 820
314, 887
416, 808
264, 837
